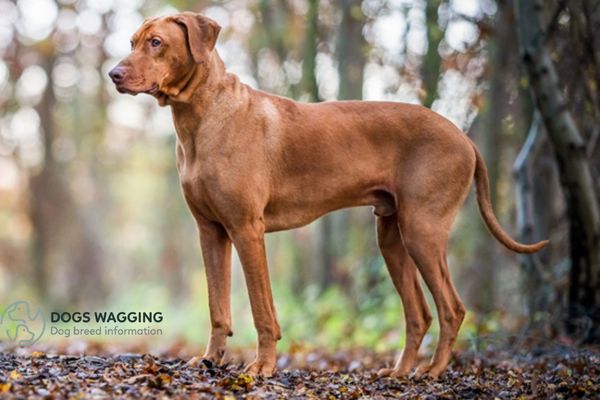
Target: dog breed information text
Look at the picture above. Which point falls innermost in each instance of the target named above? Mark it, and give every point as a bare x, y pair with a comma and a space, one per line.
105, 323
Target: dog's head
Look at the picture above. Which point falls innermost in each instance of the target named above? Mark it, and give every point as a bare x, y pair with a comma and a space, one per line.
164, 52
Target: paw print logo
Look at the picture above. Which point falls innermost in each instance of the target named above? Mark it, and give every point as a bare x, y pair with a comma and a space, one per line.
21, 325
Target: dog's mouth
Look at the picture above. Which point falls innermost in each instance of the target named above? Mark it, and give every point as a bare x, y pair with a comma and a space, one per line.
152, 90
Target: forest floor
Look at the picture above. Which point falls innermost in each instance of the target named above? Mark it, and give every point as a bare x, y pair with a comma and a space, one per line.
550, 371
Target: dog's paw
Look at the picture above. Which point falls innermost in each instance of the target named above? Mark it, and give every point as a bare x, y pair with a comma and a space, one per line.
204, 361
435, 371
194, 362
260, 368
392, 373
216, 356
427, 371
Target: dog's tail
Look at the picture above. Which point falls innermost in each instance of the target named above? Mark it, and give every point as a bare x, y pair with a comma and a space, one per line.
485, 207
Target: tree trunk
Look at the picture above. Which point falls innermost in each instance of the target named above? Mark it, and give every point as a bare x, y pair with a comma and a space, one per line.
63, 235
489, 132
46, 194
490, 140
351, 57
430, 70
350, 50
575, 174
534, 214
309, 64
325, 248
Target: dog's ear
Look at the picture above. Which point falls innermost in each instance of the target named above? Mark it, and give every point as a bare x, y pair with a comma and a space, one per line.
201, 34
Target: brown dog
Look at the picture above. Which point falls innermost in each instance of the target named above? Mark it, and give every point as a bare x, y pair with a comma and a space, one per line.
251, 163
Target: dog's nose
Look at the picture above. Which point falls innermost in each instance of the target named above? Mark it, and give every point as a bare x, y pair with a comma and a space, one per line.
117, 74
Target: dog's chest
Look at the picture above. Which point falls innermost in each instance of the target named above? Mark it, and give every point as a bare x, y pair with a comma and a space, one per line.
205, 185
195, 183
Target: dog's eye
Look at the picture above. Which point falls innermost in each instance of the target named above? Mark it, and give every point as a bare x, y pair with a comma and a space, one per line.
131, 44
155, 42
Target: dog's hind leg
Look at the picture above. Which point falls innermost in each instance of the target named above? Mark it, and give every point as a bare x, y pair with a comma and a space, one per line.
405, 278
426, 243
429, 202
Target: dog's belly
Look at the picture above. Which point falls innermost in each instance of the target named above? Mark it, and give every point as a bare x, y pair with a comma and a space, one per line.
290, 213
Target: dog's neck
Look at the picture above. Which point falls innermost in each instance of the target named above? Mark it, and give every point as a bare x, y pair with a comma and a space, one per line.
200, 78
207, 98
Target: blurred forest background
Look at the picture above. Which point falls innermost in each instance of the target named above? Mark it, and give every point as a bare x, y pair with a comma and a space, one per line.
92, 217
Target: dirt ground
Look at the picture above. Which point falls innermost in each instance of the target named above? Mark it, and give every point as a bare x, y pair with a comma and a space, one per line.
543, 372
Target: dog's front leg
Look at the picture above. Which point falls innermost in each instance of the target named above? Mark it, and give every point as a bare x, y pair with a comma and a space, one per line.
216, 252
249, 242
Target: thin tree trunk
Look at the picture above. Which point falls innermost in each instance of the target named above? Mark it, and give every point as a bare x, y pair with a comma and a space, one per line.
481, 275
490, 140
536, 293
350, 50
574, 168
430, 70
325, 247
309, 64
351, 59
63, 235
45, 187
